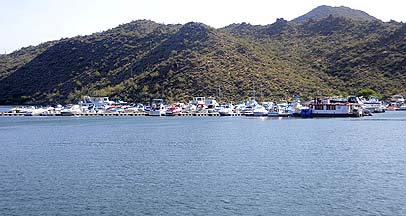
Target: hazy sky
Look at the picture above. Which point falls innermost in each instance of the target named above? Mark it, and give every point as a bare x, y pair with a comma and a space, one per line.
30, 22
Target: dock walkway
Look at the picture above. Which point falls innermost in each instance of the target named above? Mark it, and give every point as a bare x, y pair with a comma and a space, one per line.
123, 114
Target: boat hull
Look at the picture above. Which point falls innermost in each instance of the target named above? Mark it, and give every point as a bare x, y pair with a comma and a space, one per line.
260, 113
279, 114
156, 113
172, 113
226, 113
317, 115
67, 114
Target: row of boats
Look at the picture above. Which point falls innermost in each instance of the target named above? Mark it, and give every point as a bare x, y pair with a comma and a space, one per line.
319, 107
325, 107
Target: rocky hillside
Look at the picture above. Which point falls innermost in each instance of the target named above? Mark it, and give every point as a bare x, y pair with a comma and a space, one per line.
143, 60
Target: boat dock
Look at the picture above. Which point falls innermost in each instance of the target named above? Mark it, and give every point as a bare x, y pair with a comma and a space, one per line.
11, 114
207, 114
123, 114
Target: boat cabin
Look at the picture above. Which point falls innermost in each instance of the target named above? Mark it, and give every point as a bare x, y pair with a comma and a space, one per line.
198, 101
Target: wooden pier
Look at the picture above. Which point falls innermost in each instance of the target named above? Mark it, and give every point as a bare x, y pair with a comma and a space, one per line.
123, 114
208, 114
81, 114
11, 114
111, 114
199, 114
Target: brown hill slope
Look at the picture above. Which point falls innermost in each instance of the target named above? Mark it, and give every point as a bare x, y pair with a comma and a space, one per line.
143, 59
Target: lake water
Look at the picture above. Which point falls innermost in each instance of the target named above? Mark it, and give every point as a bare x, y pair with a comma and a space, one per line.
203, 166
5, 108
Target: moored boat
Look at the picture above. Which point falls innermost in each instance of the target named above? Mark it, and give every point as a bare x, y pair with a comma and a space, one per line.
70, 111
402, 108
260, 110
333, 107
174, 109
280, 109
36, 112
210, 105
249, 107
398, 99
373, 105
157, 108
226, 110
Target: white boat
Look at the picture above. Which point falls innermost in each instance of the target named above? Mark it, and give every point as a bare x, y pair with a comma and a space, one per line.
226, 110
296, 107
248, 111
333, 107
157, 108
174, 109
249, 107
51, 111
210, 105
135, 108
91, 104
58, 109
267, 105
402, 108
70, 111
260, 110
281, 109
189, 108
238, 108
373, 105
398, 99
251, 102
36, 112
196, 103
23, 109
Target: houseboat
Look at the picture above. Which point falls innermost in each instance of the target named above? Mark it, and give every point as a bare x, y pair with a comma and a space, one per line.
333, 107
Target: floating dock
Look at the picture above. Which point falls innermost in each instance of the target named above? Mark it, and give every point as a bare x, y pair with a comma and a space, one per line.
11, 114
123, 114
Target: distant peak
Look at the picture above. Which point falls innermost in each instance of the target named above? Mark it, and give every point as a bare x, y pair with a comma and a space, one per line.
143, 25
324, 11
196, 25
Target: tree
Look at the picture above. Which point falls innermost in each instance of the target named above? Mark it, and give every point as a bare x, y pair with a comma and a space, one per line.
367, 93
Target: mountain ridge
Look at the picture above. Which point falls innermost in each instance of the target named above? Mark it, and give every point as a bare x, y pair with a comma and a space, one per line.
144, 59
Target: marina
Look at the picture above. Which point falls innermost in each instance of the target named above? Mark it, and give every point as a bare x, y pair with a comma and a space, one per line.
351, 106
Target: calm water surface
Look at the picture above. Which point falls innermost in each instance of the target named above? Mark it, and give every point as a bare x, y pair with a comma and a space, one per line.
5, 108
203, 166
